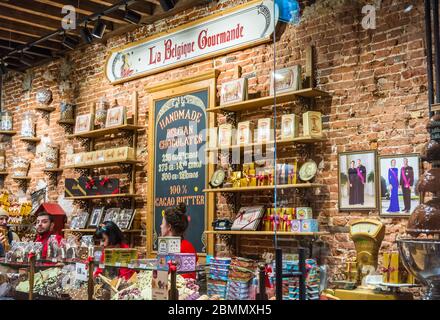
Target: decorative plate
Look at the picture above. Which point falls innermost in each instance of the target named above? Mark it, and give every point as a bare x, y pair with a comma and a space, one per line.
217, 178
44, 96
308, 170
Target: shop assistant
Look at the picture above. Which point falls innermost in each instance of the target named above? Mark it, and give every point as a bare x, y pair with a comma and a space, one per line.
174, 224
45, 224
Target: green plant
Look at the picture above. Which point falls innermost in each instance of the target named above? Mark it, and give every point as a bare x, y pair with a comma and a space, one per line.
370, 177
343, 179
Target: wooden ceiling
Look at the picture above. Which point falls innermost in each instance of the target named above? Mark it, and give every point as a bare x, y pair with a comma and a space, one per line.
23, 22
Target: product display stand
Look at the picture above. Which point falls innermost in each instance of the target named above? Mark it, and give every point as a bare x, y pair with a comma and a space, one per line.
129, 131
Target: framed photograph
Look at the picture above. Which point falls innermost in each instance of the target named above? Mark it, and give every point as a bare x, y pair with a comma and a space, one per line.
125, 218
357, 180
96, 217
287, 79
399, 175
115, 116
233, 91
79, 221
84, 123
111, 214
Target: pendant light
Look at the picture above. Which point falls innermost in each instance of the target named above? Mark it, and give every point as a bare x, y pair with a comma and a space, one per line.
132, 16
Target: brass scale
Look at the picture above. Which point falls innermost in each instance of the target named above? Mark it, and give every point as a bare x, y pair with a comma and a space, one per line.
367, 235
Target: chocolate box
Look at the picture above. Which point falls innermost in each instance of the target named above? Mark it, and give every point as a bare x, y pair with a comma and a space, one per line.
289, 126
75, 187
225, 135
107, 185
312, 124
168, 245
184, 261
304, 213
309, 225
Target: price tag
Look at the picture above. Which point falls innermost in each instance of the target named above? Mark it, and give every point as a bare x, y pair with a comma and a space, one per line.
102, 266
117, 264
130, 266
81, 272
143, 266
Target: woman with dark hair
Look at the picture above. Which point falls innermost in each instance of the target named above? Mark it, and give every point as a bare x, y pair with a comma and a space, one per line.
174, 224
112, 237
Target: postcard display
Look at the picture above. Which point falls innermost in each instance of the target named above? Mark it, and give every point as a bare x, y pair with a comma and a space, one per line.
95, 189
250, 133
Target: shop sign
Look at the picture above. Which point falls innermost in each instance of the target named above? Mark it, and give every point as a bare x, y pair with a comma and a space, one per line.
227, 31
179, 166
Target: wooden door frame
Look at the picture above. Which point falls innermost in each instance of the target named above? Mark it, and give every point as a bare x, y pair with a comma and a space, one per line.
207, 80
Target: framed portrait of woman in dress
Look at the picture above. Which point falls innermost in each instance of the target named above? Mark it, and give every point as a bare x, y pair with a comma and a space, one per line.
357, 180
399, 175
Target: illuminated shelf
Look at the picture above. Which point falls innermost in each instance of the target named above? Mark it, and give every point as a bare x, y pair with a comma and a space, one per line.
21, 178
103, 164
9, 133
106, 131
103, 196
53, 170
3, 173
30, 139
258, 188
46, 109
93, 230
267, 233
280, 143
267, 101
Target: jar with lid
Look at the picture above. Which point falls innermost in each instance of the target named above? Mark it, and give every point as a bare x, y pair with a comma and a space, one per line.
20, 166
6, 121
28, 125
52, 156
101, 112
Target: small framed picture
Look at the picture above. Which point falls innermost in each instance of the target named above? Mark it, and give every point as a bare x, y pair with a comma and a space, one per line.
115, 116
84, 123
357, 183
225, 135
265, 130
398, 175
111, 214
125, 218
234, 91
79, 221
96, 217
244, 132
287, 79
289, 126
312, 124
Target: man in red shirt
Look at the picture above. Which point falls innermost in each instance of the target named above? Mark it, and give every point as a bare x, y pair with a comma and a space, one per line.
44, 225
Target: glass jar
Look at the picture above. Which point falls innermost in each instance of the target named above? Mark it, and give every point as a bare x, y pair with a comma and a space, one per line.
101, 112
20, 166
52, 156
6, 121
27, 125
67, 111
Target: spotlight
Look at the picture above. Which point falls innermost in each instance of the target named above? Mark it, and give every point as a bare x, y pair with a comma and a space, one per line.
132, 16
167, 4
408, 8
86, 35
69, 42
99, 29
3, 69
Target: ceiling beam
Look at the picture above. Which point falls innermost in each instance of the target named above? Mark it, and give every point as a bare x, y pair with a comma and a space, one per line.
22, 39
35, 20
11, 45
145, 8
84, 9
24, 30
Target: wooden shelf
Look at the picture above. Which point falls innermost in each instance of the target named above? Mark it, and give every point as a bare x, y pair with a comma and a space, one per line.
103, 164
106, 131
9, 133
30, 139
280, 143
45, 109
261, 188
71, 122
435, 107
267, 101
93, 230
267, 233
4, 173
104, 196
53, 170
21, 178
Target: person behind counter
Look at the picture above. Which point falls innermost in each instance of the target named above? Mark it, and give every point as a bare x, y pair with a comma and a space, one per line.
6, 235
112, 237
44, 226
174, 224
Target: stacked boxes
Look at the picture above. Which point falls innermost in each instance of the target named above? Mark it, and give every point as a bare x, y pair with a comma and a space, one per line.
241, 273
218, 276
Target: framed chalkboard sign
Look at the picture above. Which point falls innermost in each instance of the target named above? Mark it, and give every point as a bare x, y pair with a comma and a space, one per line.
178, 169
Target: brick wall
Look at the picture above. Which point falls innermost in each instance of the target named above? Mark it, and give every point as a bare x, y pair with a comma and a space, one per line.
377, 81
